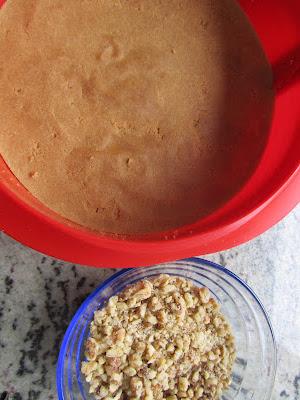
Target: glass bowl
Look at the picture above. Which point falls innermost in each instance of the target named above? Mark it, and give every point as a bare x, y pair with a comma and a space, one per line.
255, 367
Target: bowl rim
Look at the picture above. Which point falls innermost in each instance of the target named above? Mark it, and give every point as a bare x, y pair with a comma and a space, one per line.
65, 241
195, 260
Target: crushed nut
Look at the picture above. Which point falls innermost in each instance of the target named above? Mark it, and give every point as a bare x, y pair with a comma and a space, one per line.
159, 340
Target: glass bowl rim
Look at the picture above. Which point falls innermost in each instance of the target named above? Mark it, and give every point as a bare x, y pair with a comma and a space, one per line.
195, 260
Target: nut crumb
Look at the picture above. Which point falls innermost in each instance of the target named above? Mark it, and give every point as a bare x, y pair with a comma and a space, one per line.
159, 340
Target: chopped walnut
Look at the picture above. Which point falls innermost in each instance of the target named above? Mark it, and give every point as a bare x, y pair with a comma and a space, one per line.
162, 339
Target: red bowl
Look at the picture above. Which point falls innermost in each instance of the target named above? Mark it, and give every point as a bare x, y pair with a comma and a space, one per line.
271, 192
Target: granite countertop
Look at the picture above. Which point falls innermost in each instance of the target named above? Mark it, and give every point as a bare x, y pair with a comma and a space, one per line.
39, 295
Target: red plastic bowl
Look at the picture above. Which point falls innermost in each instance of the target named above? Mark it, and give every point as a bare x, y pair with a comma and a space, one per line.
272, 191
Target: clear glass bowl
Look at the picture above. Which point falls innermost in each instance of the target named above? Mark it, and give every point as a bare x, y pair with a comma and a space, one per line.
255, 367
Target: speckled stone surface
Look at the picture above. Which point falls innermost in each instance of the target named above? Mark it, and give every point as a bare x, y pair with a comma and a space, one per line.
39, 295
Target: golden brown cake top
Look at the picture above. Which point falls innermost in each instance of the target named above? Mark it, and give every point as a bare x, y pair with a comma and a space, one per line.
131, 116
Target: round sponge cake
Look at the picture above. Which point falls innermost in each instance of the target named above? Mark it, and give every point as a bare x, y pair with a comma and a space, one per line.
132, 116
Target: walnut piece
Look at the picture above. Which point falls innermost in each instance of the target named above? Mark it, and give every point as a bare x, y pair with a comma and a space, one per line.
162, 339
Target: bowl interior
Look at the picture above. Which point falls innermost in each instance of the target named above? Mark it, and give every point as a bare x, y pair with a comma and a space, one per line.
254, 370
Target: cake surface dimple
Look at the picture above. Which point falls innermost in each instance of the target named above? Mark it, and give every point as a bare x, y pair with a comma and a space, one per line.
130, 116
